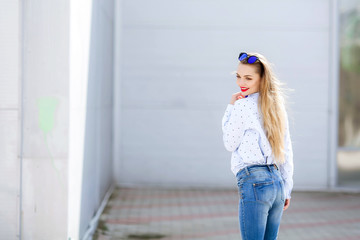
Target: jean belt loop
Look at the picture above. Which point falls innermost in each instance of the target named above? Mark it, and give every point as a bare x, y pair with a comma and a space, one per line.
268, 164
247, 171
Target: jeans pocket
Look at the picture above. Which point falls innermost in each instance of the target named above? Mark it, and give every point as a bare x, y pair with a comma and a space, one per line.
264, 191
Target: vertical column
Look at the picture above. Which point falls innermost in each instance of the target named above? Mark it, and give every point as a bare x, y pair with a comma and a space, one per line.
46, 118
117, 88
334, 93
80, 32
9, 119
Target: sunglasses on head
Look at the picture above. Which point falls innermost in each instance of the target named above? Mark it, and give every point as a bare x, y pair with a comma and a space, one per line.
249, 58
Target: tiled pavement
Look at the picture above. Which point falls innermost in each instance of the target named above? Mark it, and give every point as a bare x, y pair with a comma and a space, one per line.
153, 213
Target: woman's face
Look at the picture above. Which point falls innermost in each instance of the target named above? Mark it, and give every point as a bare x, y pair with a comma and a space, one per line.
247, 79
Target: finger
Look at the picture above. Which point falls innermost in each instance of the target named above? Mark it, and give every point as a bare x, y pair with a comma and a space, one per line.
240, 96
286, 205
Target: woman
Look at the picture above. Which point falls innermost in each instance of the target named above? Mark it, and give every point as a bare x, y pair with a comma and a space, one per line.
256, 130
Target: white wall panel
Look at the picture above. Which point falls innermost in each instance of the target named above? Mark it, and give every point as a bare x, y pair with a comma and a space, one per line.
9, 174
191, 14
46, 119
9, 119
92, 104
177, 57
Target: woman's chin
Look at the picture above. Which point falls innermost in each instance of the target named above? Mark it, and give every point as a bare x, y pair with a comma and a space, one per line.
246, 93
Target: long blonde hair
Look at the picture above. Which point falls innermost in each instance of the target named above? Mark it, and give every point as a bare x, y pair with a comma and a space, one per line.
272, 106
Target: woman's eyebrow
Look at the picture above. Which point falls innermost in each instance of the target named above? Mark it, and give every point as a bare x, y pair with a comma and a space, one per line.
244, 75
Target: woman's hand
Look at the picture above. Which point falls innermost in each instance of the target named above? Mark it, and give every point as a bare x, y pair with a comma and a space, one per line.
236, 96
287, 203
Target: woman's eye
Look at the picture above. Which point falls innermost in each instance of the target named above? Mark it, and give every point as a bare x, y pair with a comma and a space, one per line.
246, 78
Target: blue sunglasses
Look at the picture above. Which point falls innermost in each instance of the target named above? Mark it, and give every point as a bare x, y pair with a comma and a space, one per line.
249, 59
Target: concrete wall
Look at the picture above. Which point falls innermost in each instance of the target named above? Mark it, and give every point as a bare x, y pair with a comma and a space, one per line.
177, 57
98, 146
56, 116
46, 119
10, 115
91, 110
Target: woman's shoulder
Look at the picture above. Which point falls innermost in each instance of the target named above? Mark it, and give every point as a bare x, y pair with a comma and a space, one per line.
246, 103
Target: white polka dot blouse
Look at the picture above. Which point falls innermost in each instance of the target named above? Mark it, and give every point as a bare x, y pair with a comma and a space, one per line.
244, 136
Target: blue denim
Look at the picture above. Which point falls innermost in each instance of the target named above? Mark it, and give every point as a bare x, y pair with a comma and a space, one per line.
261, 201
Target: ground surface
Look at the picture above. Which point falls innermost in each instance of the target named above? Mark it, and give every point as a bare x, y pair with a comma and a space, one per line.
151, 213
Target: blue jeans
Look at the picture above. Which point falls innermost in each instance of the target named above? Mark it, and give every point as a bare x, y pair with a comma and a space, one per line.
261, 201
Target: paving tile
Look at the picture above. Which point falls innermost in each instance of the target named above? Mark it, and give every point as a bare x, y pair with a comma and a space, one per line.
213, 215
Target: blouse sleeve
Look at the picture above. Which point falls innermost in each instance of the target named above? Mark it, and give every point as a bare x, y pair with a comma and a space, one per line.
234, 124
287, 169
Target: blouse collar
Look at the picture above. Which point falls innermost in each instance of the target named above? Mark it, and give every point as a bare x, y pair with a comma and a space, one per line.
254, 95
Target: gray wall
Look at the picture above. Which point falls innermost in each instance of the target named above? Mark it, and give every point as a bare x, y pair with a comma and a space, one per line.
10, 114
98, 145
91, 111
176, 62
45, 120
57, 72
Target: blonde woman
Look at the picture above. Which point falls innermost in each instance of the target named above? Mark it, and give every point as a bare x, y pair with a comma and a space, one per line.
256, 130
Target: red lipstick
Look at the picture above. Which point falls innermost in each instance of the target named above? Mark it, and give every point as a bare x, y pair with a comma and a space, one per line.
244, 89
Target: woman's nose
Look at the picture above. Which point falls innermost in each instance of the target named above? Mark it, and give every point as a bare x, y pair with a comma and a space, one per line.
242, 82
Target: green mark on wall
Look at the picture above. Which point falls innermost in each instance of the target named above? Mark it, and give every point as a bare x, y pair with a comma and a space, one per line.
47, 107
